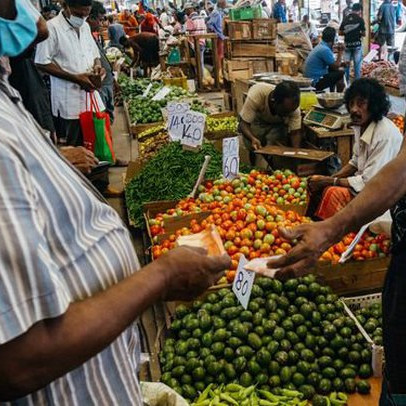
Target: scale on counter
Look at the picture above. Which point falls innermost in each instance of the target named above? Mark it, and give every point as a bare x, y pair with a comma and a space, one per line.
331, 119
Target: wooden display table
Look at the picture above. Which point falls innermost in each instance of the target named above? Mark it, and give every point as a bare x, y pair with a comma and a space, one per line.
367, 400
344, 140
315, 157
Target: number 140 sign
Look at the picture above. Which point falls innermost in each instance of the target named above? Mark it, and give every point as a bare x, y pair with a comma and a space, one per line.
231, 158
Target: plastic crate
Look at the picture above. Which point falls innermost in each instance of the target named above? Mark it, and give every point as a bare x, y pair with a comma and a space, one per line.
352, 304
235, 14
246, 13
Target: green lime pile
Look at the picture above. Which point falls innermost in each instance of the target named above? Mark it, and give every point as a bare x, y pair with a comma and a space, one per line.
294, 335
370, 318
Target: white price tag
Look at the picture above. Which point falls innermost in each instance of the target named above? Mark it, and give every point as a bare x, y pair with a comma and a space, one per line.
243, 282
162, 93
145, 94
193, 129
176, 115
347, 254
231, 157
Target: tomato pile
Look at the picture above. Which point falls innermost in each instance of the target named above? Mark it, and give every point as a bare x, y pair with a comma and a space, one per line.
399, 121
246, 228
369, 246
280, 188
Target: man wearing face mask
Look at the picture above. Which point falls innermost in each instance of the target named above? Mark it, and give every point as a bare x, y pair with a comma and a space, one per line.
72, 59
71, 288
377, 141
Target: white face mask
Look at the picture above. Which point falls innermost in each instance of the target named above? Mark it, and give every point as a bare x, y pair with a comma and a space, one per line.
76, 22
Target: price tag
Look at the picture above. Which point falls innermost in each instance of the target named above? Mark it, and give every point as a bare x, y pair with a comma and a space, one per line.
176, 115
145, 94
231, 157
243, 282
162, 93
347, 254
193, 129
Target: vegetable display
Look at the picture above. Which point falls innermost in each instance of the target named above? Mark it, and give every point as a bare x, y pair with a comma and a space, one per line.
384, 72
169, 175
222, 124
370, 318
151, 141
294, 335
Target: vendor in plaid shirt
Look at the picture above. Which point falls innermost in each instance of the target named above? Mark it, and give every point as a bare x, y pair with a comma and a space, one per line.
195, 25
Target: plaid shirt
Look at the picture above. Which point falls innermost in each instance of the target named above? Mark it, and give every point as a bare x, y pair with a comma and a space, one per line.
195, 25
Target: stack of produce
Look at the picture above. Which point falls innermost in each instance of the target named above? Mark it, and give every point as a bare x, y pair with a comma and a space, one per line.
222, 124
136, 87
370, 318
385, 72
151, 141
294, 335
399, 121
246, 229
169, 175
369, 246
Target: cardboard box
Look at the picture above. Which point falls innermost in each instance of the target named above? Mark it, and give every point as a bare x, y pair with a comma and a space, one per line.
264, 28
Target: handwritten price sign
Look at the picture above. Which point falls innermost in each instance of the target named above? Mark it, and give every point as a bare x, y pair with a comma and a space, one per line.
231, 157
176, 113
243, 282
193, 129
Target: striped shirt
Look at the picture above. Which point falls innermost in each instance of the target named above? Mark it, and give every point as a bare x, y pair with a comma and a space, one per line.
60, 243
195, 25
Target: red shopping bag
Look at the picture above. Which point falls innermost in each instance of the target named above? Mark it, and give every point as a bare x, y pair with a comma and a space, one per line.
87, 124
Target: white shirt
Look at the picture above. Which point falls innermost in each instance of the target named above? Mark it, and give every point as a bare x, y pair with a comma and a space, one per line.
379, 144
74, 54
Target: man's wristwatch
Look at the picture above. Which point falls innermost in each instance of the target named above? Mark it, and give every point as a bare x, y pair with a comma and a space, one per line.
335, 181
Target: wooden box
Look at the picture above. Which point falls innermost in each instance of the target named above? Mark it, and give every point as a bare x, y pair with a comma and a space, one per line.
286, 63
264, 28
239, 30
237, 69
262, 65
248, 49
354, 277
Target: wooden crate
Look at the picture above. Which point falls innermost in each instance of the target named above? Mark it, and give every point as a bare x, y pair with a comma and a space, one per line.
237, 69
354, 277
264, 28
261, 65
286, 63
248, 49
238, 30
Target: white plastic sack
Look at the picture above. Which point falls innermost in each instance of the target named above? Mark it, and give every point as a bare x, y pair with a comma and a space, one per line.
159, 394
382, 224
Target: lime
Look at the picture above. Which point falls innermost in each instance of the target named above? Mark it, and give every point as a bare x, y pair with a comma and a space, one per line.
363, 387
246, 379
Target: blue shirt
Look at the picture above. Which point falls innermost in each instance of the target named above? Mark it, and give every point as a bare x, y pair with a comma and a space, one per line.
279, 12
387, 17
116, 31
215, 23
318, 61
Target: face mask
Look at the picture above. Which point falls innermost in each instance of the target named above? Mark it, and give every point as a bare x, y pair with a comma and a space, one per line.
76, 22
18, 34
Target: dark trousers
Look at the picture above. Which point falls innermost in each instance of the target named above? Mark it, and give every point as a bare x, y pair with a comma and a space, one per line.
69, 130
394, 332
330, 80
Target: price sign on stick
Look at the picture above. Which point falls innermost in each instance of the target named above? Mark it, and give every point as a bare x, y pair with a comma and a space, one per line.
193, 129
231, 158
162, 93
176, 119
243, 282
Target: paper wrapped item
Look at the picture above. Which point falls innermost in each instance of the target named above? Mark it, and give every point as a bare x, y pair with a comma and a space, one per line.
258, 265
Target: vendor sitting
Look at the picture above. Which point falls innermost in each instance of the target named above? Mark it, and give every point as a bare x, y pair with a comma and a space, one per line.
322, 67
377, 141
271, 115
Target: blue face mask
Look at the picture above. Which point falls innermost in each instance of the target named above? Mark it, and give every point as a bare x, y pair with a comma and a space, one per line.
18, 34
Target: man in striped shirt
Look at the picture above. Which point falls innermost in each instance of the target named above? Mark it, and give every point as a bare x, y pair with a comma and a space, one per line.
69, 290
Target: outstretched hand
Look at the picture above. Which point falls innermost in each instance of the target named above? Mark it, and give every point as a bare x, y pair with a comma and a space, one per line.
313, 240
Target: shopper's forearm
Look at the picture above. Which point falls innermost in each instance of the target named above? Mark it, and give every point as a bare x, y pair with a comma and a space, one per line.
247, 131
380, 194
54, 70
346, 171
295, 138
52, 348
